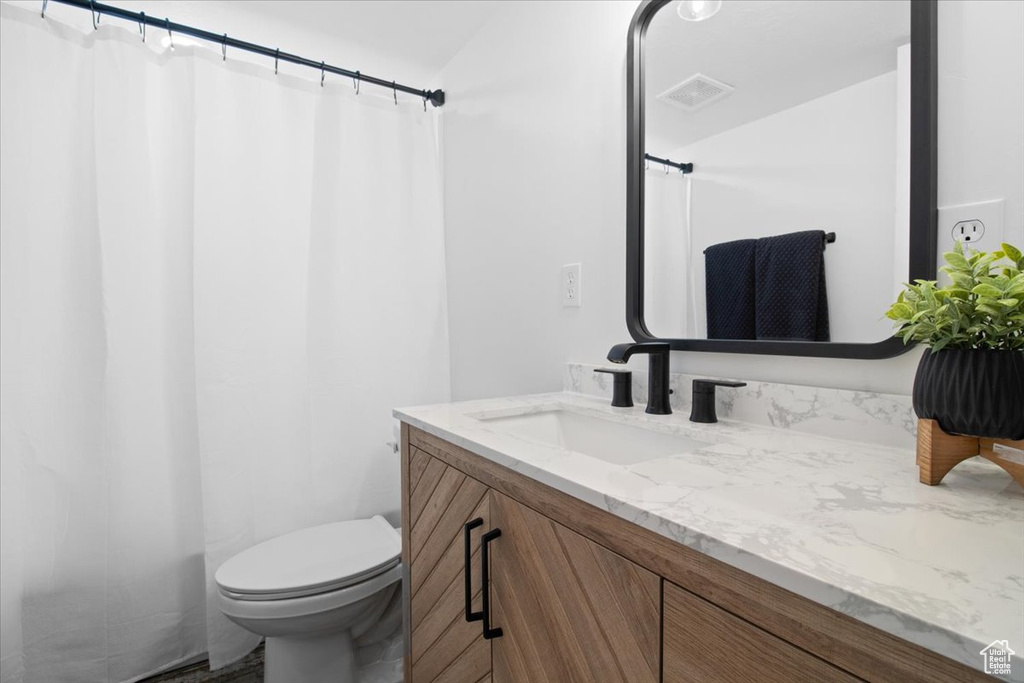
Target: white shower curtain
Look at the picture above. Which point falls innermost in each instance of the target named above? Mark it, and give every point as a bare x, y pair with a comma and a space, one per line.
216, 283
670, 308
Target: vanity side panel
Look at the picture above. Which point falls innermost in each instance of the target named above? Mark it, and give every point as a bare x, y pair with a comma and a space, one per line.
438, 501
862, 650
406, 595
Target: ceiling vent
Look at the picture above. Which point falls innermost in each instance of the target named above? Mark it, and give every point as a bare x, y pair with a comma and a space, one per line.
696, 92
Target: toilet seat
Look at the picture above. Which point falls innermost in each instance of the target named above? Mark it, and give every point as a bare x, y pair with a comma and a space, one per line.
306, 606
324, 559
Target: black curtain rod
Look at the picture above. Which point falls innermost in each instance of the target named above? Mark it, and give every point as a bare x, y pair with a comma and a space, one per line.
684, 168
435, 97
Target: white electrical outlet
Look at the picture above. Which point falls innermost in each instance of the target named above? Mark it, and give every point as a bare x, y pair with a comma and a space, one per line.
969, 232
572, 285
977, 226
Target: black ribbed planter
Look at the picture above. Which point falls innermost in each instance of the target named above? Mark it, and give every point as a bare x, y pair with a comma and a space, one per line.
977, 392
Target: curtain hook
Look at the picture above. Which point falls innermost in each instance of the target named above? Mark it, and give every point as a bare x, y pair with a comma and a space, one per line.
224, 48
424, 102
277, 53
647, 164
321, 74
356, 81
142, 25
92, 12
394, 91
42, 12
666, 168
170, 36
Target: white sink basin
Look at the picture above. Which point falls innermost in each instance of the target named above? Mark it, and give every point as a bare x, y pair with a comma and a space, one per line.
606, 440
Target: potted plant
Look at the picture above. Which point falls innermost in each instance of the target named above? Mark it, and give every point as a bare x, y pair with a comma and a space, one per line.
971, 377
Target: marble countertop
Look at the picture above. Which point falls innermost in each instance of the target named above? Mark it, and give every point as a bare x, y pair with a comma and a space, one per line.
843, 523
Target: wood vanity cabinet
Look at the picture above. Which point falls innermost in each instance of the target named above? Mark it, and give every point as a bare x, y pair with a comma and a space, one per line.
569, 609
579, 595
705, 643
441, 500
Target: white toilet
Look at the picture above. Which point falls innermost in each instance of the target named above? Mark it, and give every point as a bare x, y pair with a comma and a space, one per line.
312, 592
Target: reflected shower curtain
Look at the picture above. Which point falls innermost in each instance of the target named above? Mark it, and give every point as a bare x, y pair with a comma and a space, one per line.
670, 307
215, 285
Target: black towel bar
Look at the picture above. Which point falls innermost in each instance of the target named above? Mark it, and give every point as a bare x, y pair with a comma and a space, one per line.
830, 238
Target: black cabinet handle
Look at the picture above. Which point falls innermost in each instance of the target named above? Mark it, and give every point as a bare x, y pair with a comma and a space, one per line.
488, 631
470, 614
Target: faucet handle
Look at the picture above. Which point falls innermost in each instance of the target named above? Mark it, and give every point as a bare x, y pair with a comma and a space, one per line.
707, 386
703, 408
622, 386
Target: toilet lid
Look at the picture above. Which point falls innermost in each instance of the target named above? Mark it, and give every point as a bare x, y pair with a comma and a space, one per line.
311, 561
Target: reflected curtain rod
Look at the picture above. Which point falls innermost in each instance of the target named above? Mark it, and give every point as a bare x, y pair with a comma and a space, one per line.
435, 97
683, 168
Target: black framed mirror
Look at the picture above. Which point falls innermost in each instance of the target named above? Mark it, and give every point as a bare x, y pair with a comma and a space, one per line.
781, 172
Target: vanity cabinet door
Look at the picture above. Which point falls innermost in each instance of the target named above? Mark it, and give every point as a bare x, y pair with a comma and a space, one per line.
705, 643
569, 609
441, 500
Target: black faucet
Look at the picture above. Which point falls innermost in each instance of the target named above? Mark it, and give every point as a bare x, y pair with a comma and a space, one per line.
704, 399
657, 375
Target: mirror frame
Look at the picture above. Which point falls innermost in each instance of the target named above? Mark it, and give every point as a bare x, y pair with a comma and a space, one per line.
923, 191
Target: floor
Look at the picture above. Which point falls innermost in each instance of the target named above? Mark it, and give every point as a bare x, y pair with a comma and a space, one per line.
378, 663
247, 670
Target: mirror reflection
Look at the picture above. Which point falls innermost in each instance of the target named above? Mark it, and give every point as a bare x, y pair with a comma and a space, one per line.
776, 190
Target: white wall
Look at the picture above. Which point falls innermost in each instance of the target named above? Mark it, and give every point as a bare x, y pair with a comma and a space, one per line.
535, 154
827, 164
534, 172
981, 107
901, 226
534, 178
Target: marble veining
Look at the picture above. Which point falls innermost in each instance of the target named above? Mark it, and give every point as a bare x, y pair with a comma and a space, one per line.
841, 522
886, 419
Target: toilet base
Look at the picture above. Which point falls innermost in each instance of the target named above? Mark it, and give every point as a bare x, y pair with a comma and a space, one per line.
313, 658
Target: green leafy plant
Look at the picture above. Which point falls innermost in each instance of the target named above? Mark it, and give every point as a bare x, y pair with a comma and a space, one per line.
979, 309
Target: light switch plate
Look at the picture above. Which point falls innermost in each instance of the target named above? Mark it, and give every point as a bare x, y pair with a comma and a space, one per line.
572, 285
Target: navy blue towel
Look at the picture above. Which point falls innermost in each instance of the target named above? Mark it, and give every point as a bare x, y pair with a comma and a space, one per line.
729, 289
789, 274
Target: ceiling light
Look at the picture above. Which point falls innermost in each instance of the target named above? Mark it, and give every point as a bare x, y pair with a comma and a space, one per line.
698, 10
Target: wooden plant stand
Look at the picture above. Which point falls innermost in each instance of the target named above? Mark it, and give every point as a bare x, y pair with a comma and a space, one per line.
939, 452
